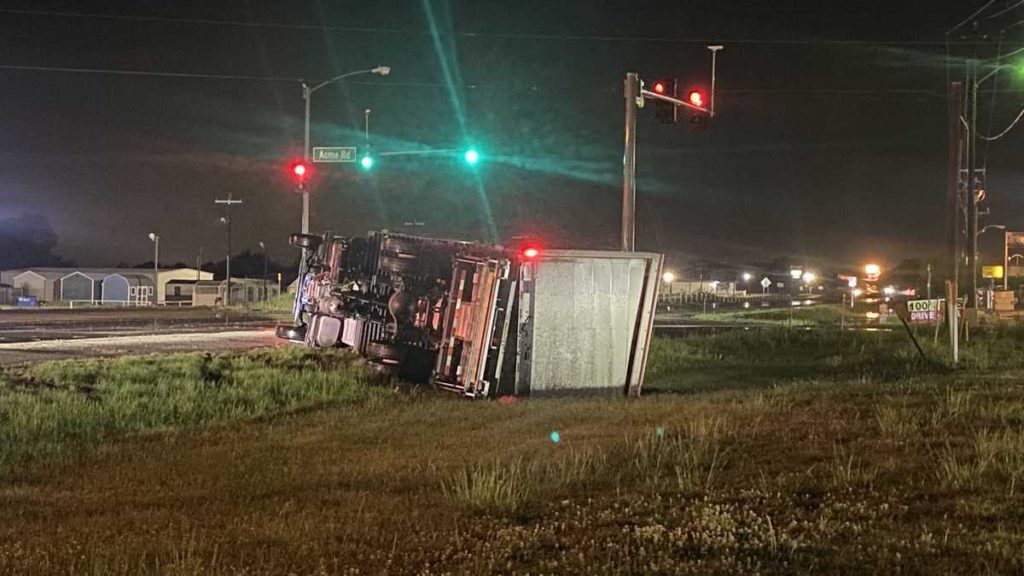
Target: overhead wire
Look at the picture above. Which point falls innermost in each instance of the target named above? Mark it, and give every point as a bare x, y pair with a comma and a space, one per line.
469, 33
1006, 131
992, 102
970, 18
1005, 10
872, 92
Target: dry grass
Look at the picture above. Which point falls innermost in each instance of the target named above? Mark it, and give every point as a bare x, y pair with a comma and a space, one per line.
815, 475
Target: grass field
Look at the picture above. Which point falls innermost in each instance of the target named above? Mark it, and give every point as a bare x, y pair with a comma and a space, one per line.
768, 451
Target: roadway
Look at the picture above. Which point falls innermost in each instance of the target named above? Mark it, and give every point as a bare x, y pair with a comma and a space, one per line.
37, 335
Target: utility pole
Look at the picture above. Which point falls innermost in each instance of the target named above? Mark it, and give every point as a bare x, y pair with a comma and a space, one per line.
953, 195
632, 96
227, 221
972, 192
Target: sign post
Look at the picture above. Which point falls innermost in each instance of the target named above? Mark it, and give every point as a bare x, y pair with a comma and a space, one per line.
765, 283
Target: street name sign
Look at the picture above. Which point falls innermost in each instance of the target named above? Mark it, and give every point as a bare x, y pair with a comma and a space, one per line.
334, 154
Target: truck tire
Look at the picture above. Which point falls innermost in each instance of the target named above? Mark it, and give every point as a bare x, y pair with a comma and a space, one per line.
400, 264
383, 369
385, 352
292, 333
401, 246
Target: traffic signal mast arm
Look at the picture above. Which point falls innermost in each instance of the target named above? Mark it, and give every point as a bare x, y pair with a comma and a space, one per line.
675, 101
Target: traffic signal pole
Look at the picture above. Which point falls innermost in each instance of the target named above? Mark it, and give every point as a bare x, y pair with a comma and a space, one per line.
306, 93
633, 100
634, 96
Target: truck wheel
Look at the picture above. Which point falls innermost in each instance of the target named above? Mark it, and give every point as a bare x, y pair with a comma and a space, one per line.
401, 245
386, 370
401, 264
310, 241
293, 333
385, 351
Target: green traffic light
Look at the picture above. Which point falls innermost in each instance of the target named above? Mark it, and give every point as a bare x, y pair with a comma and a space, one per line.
472, 156
366, 162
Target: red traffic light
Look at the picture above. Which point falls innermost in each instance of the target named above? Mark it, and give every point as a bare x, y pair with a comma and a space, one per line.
696, 98
299, 170
659, 87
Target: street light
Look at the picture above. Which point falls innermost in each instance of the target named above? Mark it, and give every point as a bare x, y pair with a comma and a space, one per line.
991, 227
307, 93
747, 276
156, 266
872, 272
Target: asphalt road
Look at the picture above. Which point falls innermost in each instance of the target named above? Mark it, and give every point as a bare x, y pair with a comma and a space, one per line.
36, 335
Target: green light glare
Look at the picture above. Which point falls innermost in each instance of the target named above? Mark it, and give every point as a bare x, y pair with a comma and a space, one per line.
366, 162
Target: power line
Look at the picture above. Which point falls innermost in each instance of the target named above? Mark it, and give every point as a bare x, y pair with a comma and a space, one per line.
1004, 132
481, 85
971, 17
477, 34
119, 72
1005, 10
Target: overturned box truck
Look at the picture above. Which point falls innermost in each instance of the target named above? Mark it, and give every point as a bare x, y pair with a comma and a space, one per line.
478, 319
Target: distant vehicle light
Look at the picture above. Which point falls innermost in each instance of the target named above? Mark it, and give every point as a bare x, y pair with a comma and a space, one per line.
872, 315
668, 277
531, 253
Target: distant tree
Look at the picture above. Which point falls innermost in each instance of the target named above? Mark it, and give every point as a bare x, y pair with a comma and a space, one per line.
28, 240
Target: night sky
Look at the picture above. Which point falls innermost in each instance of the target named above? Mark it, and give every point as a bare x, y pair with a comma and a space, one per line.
830, 141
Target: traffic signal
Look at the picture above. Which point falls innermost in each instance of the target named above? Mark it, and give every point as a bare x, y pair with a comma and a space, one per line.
665, 111
472, 156
698, 119
300, 172
366, 161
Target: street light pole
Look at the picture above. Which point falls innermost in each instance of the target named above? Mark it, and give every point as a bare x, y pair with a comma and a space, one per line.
307, 93
156, 267
264, 248
227, 221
